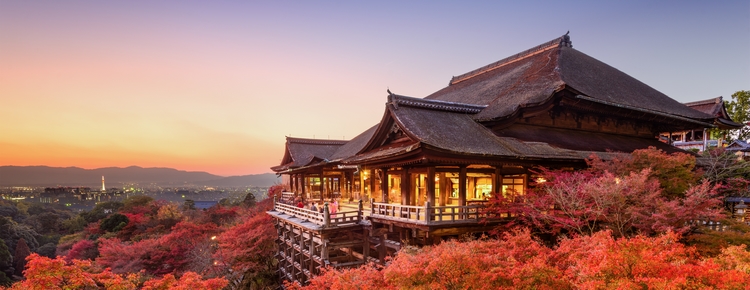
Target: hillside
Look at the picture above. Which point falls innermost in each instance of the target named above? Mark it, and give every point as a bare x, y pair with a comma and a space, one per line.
74, 176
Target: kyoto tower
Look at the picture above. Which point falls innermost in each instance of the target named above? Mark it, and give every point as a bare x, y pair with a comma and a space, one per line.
103, 188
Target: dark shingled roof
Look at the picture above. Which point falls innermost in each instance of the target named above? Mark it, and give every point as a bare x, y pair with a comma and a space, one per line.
715, 107
302, 151
582, 140
532, 77
355, 145
450, 127
739, 145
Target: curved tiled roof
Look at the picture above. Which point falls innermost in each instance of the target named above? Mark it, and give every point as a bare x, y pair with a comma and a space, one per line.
532, 77
715, 107
302, 151
355, 145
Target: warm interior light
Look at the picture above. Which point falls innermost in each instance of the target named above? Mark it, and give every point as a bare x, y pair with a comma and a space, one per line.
541, 180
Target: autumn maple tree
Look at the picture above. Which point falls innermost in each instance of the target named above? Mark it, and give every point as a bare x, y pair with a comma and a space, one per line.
518, 261
44, 273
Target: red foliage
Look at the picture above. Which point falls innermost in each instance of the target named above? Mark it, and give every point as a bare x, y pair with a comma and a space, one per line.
220, 215
517, 261
19, 258
137, 224
169, 253
82, 250
249, 246
188, 281
585, 202
44, 273
172, 252
368, 277
275, 191
124, 257
675, 171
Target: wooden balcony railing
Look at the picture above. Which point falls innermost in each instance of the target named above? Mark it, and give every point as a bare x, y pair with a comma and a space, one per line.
473, 212
325, 218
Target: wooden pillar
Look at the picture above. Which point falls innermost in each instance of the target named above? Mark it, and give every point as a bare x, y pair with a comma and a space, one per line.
323, 185
303, 182
405, 187
431, 185
292, 252
384, 184
293, 186
342, 185
301, 250
381, 250
372, 183
312, 255
444, 190
462, 186
496, 182
365, 246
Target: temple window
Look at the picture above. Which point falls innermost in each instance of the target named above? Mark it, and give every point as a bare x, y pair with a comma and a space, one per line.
513, 183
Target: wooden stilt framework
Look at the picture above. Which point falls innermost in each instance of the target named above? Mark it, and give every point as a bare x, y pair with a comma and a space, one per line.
308, 241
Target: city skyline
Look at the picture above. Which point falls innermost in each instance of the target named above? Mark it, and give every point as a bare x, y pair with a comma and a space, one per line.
216, 87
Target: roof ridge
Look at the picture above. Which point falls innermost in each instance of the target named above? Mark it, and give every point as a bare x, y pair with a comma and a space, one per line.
557, 42
315, 141
399, 100
704, 102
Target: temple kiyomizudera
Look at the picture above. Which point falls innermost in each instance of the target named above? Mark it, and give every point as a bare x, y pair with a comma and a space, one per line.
424, 172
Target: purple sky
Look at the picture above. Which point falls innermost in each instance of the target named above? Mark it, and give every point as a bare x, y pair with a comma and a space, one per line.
215, 86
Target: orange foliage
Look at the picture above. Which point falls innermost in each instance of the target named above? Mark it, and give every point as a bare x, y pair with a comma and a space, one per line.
44, 273
517, 261
188, 281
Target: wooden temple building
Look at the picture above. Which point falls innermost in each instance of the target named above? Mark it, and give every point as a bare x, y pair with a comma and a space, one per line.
699, 139
424, 172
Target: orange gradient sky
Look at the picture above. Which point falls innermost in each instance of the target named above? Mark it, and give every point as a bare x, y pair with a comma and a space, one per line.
215, 86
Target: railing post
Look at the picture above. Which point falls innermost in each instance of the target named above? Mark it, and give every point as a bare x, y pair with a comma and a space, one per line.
274, 201
427, 212
372, 206
326, 215
360, 214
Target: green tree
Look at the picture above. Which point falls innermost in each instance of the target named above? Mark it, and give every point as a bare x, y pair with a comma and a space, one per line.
189, 204
74, 224
6, 264
249, 200
112, 222
739, 110
135, 201
101, 211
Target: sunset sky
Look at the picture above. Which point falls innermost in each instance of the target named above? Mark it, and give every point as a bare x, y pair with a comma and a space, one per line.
216, 85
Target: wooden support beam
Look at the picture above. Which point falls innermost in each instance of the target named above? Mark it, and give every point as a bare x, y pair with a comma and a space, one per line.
323, 184
372, 183
444, 190
496, 181
384, 184
365, 246
431, 185
381, 249
462, 186
462, 189
405, 187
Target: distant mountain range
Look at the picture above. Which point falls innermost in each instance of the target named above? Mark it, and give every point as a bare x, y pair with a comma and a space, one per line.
115, 176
